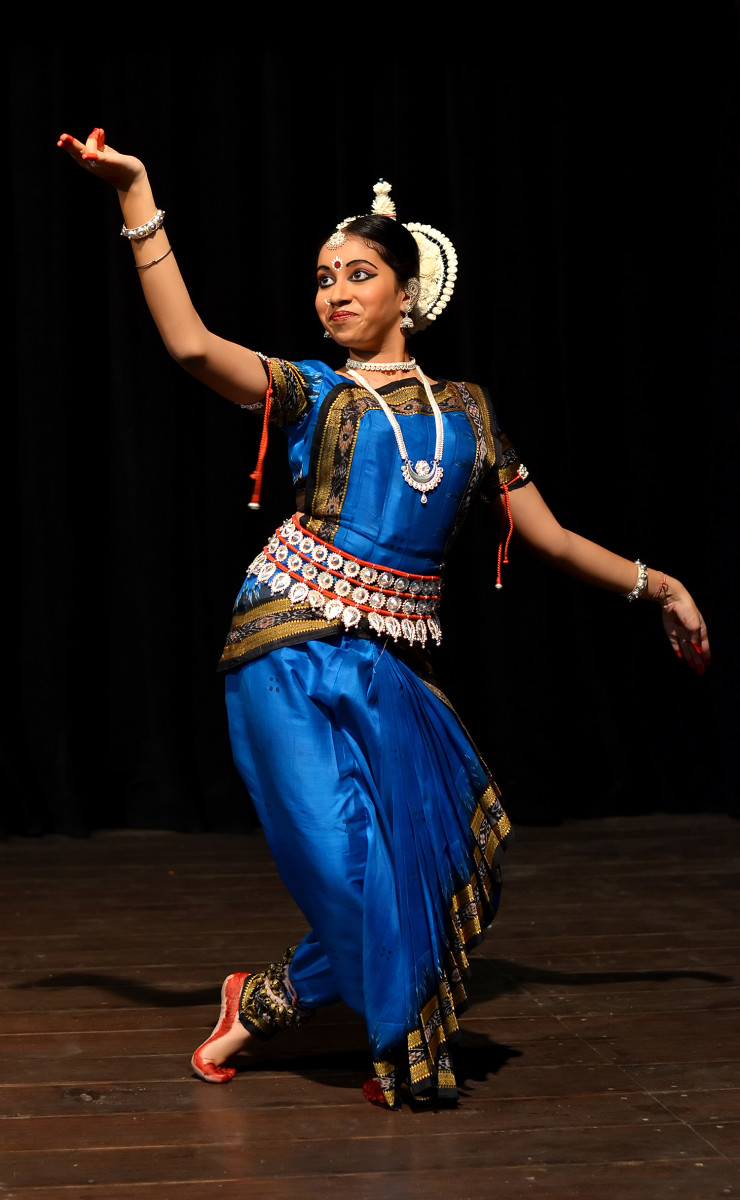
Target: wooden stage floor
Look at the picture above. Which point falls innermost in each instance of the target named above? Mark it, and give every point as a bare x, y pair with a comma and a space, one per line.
601, 1057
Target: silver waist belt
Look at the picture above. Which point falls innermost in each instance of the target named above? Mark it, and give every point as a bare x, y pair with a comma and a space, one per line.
339, 586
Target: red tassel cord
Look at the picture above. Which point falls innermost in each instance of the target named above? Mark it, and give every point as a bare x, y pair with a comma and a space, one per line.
505, 536
257, 472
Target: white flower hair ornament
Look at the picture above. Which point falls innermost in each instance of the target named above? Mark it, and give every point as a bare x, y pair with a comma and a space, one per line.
437, 259
437, 273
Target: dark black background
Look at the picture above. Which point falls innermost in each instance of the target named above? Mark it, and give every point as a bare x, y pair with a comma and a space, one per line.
585, 168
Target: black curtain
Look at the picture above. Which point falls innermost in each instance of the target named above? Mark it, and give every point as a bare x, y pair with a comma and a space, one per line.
588, 179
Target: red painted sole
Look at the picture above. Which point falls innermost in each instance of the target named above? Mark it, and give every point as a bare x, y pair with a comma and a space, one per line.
231, 992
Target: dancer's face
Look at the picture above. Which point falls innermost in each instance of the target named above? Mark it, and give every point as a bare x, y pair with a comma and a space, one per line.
358, 298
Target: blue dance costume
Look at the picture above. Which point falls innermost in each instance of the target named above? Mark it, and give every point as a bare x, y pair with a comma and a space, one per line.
384, 823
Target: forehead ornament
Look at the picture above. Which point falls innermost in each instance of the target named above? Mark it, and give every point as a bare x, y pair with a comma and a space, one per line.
437, 260
339, 237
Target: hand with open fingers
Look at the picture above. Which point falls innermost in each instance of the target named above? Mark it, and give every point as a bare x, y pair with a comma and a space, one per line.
120, 170
686, 629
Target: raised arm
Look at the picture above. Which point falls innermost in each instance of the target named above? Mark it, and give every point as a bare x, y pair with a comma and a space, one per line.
539, 529
231, 370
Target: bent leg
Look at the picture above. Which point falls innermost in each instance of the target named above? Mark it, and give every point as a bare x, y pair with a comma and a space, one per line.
305, 767
386, 829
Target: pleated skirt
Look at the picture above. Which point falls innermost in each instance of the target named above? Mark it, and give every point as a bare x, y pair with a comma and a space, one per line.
386, 829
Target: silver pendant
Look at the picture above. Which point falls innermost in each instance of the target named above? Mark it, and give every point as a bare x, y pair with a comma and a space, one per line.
422, 477
333, 610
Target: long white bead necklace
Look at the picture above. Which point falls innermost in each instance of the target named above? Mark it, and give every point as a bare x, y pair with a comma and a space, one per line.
422, 476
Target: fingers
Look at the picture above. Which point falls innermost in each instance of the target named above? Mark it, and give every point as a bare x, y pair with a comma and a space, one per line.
699, 657
87, 151
77, 150
95, 140
701, 644
687, 634
693, 655
70, 144
93, 146
693, 647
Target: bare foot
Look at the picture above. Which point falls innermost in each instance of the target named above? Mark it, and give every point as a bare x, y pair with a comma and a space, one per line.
214, 1059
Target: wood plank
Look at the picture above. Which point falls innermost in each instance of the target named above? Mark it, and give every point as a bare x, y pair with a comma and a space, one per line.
661, 1037
709, 1178
385, 1147
600, 1055
311, 1121
324, 1085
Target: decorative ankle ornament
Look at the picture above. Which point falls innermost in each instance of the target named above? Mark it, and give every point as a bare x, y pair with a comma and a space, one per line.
269, 1002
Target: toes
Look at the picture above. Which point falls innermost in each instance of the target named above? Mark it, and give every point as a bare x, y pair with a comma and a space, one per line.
210, 1072
373, 1092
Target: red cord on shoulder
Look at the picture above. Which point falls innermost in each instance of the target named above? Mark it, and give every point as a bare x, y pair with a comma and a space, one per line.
257, 472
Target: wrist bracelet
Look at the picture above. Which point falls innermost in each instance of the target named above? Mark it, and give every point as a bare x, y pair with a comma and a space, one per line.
642, 582
138, 232
153, 262
663, 587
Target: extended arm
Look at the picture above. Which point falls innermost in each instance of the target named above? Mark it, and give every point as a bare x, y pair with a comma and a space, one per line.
232, 370
538, 528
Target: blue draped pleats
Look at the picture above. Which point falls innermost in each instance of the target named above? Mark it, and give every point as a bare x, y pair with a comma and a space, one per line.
366, 785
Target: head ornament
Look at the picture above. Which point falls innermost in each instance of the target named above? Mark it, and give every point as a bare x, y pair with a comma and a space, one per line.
437, 258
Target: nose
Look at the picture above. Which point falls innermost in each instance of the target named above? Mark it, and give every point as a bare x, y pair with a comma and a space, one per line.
334, 297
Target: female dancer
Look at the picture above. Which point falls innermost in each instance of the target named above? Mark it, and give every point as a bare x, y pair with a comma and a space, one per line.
383, 821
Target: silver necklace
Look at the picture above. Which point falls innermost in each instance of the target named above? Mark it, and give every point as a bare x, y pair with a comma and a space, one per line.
355, 364
422, 476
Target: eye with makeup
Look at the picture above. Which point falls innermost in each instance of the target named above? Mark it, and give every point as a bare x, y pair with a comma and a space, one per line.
359, 275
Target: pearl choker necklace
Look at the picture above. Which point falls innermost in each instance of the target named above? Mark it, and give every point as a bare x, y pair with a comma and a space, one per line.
353, 364
422, 476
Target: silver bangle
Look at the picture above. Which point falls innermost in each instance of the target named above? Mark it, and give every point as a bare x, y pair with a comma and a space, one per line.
153, 262
138, 232
642, 582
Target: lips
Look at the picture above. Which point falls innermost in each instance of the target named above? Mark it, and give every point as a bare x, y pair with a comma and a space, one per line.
341, 315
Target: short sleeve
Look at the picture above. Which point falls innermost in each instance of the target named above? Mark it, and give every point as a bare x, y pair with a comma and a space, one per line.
508, 471
511, 469
296, 388
290, 397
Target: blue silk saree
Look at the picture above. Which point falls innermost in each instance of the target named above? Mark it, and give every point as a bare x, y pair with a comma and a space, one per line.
384, 823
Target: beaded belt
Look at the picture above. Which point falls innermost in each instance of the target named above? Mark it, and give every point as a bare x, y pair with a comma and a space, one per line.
342, 587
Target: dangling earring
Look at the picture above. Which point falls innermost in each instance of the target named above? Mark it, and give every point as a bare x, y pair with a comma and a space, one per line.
326, 333
412, 287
